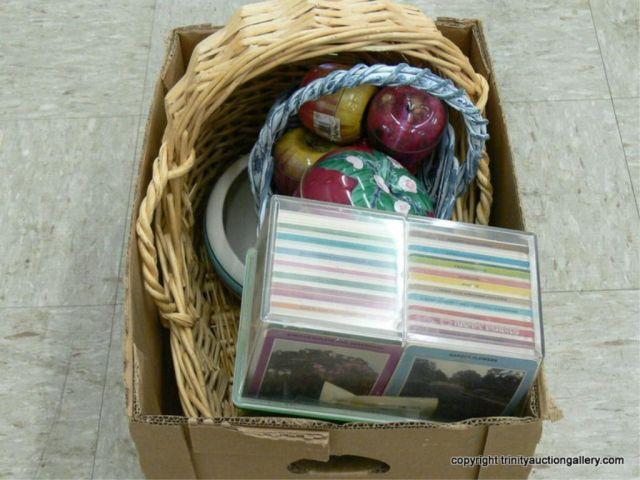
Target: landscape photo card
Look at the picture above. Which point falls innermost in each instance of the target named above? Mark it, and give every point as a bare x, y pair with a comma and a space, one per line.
464, 385
294, 365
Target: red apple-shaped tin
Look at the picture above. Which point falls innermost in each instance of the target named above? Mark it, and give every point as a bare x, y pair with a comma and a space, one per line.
406, 123
363, 177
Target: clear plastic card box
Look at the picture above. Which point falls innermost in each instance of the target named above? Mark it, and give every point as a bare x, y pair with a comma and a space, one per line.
358, 315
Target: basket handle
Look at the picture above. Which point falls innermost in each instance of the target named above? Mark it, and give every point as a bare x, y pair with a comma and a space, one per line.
261, 162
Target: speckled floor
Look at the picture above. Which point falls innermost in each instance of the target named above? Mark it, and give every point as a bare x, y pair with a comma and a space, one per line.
76, 77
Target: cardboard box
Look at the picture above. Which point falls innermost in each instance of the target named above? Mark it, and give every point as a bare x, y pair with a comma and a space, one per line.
173, 446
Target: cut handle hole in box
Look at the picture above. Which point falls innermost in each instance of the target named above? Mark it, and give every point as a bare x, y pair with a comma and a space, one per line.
339, 466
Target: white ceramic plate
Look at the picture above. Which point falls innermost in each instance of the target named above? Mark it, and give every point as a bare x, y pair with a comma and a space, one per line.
230, 224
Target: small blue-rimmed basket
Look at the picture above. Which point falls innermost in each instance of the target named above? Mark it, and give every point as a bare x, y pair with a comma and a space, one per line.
451, 177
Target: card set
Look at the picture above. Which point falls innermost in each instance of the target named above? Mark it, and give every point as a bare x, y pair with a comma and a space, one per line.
364, 315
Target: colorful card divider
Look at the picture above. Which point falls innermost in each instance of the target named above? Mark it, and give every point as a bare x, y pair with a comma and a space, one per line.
470, 290
338, 269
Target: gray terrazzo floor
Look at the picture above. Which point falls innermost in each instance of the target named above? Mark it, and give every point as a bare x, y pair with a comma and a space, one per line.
76, 80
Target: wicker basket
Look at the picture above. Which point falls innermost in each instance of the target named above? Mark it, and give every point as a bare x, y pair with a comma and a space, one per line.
214, 115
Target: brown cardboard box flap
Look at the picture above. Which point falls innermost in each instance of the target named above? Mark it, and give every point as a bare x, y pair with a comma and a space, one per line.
390, 452
414, 452
548, 408
171, 457
260, 441
510, 440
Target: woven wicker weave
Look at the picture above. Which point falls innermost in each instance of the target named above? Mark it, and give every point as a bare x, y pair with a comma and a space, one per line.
214, 115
